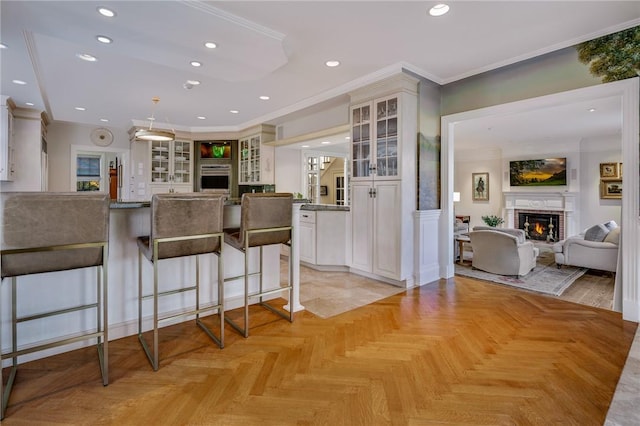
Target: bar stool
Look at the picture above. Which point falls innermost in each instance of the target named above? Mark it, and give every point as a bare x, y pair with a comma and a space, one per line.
265, 219
49, 232
182, 225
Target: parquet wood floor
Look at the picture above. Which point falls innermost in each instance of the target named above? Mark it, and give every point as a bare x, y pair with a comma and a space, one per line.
460, 352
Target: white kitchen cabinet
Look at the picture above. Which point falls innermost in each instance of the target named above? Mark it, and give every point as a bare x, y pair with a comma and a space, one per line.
323, 237
376, 232
7, 149
331, 244
307, 230
383, 183
171, 166
255, 159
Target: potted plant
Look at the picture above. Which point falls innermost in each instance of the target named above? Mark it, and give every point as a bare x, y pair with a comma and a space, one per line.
493, 220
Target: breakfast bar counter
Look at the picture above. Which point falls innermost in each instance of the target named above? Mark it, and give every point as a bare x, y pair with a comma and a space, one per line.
129, 220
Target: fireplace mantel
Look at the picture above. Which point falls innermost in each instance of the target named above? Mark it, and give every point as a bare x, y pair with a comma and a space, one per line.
565, 202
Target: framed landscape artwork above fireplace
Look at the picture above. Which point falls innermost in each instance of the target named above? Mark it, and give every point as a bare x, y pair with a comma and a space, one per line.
543, 172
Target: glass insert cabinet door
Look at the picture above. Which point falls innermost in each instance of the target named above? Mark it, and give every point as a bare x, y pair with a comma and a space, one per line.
250, 161
374, 136
361, 141
160, 161
181, 162
387, 137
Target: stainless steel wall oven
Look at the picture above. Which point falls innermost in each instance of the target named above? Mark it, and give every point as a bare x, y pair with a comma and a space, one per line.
214, 178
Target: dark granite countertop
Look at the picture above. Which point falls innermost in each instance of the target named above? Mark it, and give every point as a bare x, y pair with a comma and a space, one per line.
129, 204
325, 207
228, 202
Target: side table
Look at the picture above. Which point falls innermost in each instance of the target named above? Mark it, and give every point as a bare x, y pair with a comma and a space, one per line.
461, 239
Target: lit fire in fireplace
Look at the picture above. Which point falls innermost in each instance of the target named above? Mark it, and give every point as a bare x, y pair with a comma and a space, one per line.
538, 229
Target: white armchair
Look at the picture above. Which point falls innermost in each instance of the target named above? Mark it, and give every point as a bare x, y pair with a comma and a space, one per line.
502, 251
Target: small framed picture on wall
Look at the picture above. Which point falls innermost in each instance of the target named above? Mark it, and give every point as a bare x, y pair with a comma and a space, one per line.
480, 190
609, 170
611, 189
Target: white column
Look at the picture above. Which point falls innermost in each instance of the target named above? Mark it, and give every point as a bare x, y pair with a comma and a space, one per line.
294, 256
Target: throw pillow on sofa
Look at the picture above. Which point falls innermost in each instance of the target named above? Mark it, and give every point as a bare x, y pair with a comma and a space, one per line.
613, 236
596, 233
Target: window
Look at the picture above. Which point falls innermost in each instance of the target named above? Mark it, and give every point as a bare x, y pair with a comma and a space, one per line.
340, 190
313, 181
88, 172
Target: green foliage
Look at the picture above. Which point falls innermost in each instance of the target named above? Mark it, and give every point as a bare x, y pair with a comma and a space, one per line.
613, 57
492, 220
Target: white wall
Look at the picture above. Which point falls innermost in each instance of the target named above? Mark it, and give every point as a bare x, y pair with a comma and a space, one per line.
313, 121
478, 161
288, 170
60, 137
593, 209
583, 177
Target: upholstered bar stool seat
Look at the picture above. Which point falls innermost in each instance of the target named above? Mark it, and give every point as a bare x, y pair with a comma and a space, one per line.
182, 225
52, 232
265, 219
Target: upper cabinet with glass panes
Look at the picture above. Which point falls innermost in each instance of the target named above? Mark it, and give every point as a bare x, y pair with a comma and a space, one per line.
171, 166
375, 139
256, 161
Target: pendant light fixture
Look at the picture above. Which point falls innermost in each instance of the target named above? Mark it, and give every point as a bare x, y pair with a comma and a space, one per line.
152, 134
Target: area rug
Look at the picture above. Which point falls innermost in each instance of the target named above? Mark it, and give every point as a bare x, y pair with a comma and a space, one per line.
544, 278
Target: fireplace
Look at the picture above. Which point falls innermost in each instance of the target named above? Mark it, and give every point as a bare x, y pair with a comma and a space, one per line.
540, 226
561, 204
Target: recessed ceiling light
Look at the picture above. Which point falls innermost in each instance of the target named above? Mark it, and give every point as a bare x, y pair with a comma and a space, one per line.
195, 64
193, 82
439, 9
3, 46
104, 120
210, 45
332, 63
106, 12
592, 110
80, 108
264, 98
347, 137
20, 82
200, 117
86, 57
104, 39
234, 111
325, 142
305, 146
29, 103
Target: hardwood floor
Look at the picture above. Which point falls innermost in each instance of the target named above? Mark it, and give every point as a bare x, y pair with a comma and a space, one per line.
595, 288
460, 352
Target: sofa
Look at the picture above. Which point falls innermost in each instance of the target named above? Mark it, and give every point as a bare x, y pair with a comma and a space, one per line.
595, 248
502, 251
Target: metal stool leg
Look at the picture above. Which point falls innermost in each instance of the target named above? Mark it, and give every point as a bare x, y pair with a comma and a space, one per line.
153, 354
